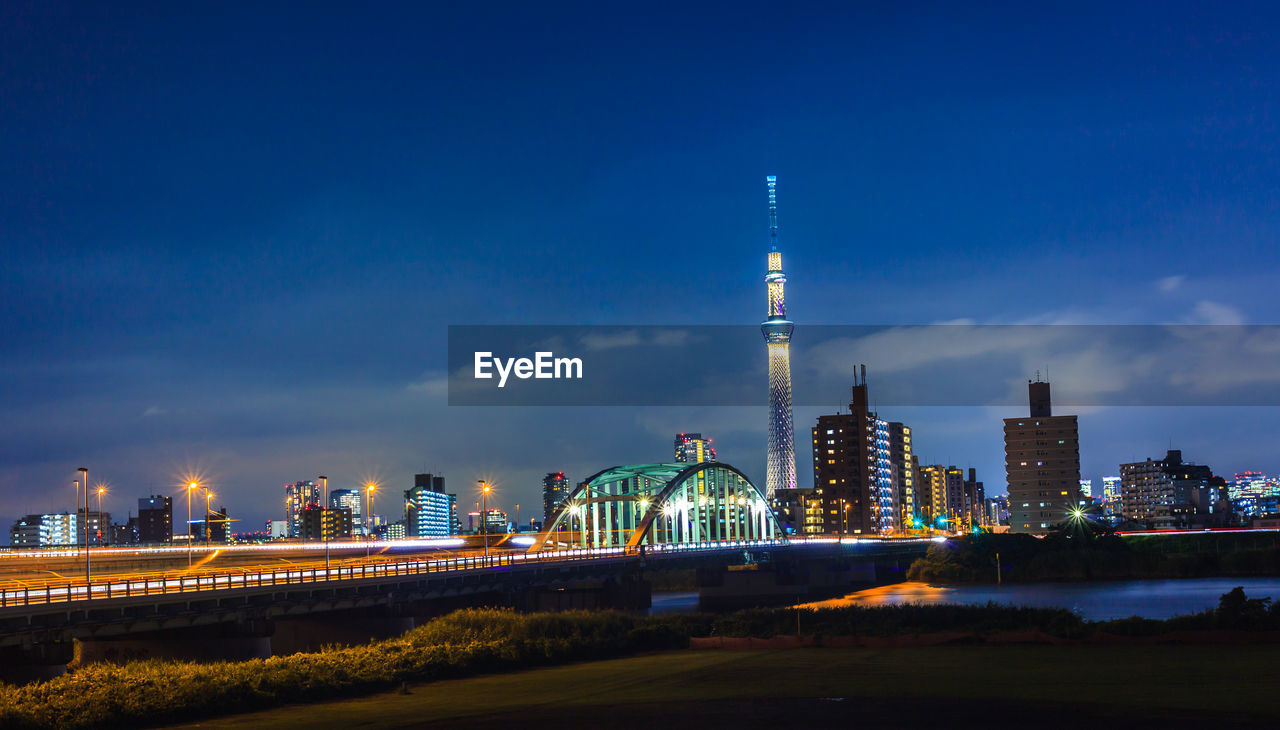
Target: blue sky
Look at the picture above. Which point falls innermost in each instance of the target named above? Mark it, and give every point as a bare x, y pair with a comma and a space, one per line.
234, 235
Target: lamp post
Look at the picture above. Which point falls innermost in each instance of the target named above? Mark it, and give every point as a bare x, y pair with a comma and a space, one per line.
84, 474
368, 519
193, 486
75, 537
484, 514
100, 491
208, 533
324, 512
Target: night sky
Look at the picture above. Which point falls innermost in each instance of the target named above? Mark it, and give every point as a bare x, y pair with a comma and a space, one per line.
234, 236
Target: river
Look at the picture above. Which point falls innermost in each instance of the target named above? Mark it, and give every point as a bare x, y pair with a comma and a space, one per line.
1097, 601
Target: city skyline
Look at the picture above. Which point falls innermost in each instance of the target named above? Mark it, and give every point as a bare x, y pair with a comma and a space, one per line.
292, 329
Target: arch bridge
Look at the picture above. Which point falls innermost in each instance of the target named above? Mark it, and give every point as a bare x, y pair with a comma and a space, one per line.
660, 504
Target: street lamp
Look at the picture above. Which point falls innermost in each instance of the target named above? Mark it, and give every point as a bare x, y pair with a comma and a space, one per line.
208, 511
485, 488
75, 538
101, 489
84, 474
193, 486
368, 518
324, 512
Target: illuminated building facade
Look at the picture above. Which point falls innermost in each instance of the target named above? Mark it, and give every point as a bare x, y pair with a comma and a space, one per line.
780, 466
691, 448
350, 499
1042, 464
1111, 490
1086, 489
298, 497
903, 468
429, 510
1166, 493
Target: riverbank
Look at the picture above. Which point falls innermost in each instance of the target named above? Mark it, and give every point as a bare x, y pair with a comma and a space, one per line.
959, 686
1085, 556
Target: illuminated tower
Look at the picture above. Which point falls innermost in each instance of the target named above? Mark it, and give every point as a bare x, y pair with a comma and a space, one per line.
780, 472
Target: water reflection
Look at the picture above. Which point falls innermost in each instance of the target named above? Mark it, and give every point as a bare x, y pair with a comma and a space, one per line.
1096, 601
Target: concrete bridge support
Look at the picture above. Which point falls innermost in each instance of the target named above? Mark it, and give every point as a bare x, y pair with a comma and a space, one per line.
221, 642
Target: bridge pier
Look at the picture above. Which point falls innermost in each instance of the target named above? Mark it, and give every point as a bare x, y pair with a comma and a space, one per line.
312, 632
35, 663
627, 593
221, 642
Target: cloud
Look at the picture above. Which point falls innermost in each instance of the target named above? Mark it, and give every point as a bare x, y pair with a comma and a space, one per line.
154, 411
1207, 312
1171, 283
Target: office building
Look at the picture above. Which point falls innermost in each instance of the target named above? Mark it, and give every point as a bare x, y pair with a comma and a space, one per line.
1166, 493
495, 522
298, 497
691, 448
1042, 464
555, 488
429, 510
1111, 490
155, 520
1086, 490
353, 500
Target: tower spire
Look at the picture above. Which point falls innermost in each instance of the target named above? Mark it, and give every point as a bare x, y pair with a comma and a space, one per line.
772, 181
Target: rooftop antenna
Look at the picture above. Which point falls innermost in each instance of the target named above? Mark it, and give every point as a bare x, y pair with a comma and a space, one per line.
864, 373
772, 180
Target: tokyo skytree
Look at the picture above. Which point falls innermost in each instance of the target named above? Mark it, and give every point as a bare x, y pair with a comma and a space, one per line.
780, 472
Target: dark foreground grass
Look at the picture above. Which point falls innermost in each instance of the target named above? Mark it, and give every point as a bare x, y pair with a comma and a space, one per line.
950, 686
479, 641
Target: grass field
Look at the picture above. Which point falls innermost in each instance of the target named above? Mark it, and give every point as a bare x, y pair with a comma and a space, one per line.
953, 686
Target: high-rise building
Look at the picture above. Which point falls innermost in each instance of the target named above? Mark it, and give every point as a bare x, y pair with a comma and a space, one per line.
353, 500
298, 497
933, 500
903, 473
429, 510
780, 466
155, 520
852, 470
1086, 489
1111, 490
555, 488
975, 497
691, 448
1166, 493
1042, 463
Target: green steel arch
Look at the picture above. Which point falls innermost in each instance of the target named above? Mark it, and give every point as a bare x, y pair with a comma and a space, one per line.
660, 504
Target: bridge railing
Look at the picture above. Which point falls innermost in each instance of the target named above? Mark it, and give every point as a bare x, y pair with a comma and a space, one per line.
139, 586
